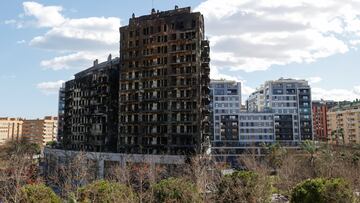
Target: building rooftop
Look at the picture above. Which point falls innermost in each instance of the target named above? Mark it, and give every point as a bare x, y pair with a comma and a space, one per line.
160, 14
346, 105
9, 119
97, 66
223, 81
287, 80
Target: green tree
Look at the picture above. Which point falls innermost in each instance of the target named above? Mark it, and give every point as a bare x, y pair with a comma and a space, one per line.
23, 148
106, 192
338, 135
322, 190
38, 193
275, 156
244, 186
176, 190
310, 147
51, 144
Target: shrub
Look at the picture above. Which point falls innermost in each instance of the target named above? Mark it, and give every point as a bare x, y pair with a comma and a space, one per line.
322, 190
38, 193
104, 191
176, 190
244, 186
51, 144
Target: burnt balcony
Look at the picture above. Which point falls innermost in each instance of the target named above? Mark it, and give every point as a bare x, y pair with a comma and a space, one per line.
206, 101
206, 90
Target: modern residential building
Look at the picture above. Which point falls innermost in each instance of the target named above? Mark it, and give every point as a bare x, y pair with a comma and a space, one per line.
236, 132
10, 129
256, 129
343, 123
225, 108
290, 102
320, 110
164, 79
250, 130
40, 131
91, 108
256, 101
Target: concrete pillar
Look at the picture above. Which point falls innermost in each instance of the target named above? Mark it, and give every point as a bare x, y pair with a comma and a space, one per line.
100, 164
122, 161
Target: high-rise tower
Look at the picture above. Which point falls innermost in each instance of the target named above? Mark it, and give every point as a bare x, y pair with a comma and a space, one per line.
164, 79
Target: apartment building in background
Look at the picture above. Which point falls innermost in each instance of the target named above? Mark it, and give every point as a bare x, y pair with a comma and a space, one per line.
290, 102
343, 123
10, 129
320, 109
164, 84
255, 101
90, 112
40, 131
225, 97
236, 131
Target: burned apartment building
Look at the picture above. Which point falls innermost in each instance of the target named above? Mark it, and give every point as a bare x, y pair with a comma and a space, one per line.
164, 79
91, 108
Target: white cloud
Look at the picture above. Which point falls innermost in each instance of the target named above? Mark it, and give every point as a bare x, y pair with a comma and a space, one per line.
216, 73
313, 80
79, 60
78, 40
17, 24
46, 16
253, 35
9, 22
336, 94
20, 42
49, 88
90, 34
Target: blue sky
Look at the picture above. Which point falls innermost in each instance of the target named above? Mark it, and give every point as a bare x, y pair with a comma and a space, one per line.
43, 43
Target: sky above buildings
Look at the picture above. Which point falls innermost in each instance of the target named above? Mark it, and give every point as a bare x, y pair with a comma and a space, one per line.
43, 43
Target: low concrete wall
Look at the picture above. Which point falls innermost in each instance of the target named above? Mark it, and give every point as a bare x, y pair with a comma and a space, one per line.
60, 155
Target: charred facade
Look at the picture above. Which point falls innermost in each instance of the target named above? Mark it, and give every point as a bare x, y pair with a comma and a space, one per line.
91, 108
164, 79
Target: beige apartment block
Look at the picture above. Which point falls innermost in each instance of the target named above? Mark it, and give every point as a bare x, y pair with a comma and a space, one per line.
344, 124
10, 129
40, 131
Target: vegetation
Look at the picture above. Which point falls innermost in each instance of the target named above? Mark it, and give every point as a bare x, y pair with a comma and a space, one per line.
244, 186
275, 156
106, 192
18, 168
38, 193
51, 144
322, 190
328, 173
338, 136
176, 190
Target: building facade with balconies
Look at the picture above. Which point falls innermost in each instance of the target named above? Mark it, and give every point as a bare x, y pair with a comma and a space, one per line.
10, 129
40, 131
343, 123
320, 110
164, 79
225, 108
290, 102
90, 118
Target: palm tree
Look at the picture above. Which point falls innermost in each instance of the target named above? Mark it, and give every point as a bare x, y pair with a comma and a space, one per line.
275, 155
310, 147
